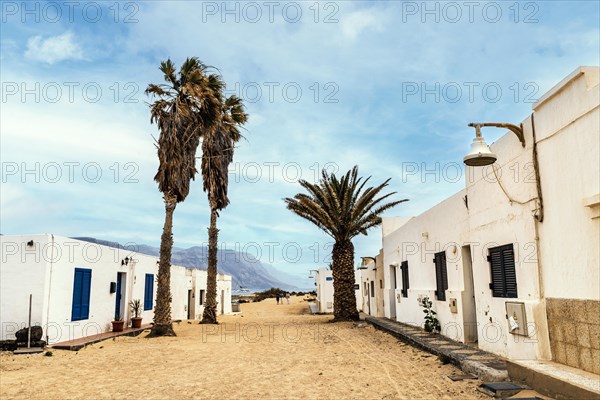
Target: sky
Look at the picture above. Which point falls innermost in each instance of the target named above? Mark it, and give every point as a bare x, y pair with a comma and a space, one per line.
389, 86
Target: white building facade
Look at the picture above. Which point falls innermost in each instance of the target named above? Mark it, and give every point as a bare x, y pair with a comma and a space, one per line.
324, 290
370, 291
188, 288
512, 271
78, 287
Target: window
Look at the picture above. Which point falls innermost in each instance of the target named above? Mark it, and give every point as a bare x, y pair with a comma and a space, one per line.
366, 288
81, 294
404, 269
381, 284
372, 288
201, 296
149, 292
502, 266
441, 275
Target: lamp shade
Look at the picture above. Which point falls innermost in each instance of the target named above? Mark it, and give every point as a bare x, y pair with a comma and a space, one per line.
480, 154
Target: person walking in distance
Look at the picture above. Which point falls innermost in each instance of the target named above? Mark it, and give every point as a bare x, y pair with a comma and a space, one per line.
287, 297
277, 298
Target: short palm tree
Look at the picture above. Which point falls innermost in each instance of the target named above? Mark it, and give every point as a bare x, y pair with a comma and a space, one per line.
217, 155
185, 107
342, 209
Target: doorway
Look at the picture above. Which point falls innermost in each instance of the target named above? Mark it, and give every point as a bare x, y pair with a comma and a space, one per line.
223, 301
119, 303
189, 305
393, 287
468, 297
368, 299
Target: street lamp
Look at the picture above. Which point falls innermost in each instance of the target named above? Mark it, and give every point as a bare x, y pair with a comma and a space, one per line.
480, 154
364, 263
310, 273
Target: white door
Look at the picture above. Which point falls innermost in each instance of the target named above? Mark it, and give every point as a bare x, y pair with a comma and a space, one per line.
468, 297
392, 291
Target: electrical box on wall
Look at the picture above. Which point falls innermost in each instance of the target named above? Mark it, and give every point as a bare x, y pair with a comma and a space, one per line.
516, 318
453, 306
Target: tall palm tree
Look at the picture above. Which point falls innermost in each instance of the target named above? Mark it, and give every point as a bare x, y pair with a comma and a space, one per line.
342, 209
217, 154
185, 107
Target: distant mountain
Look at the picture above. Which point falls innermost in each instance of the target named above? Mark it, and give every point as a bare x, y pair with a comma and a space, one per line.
245, 270
299, 277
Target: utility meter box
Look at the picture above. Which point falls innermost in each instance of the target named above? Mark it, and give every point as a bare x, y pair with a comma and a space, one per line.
452, 305
516, 318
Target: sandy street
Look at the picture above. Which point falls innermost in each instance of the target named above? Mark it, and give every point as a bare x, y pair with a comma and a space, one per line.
269, 351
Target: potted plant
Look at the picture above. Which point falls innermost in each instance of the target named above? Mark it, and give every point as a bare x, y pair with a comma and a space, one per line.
118, 324
136, 308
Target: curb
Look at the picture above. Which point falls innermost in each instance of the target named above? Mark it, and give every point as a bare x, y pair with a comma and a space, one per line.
493, 369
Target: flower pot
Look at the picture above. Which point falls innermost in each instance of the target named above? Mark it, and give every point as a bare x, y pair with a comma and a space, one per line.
118, 326
136, 322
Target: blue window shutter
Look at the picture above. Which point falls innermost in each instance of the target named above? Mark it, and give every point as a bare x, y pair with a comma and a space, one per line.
76, 310
149, 292
85, 294
81, 294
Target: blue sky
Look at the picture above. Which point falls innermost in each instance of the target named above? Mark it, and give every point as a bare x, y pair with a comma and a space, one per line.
389, 86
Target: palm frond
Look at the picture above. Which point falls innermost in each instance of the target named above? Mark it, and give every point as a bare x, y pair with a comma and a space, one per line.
339, 206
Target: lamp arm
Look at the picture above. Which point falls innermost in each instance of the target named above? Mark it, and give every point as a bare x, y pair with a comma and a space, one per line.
517, 130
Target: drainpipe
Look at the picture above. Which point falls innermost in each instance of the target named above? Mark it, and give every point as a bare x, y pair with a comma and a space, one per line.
544, 348
49, 288
536, 167
539, 217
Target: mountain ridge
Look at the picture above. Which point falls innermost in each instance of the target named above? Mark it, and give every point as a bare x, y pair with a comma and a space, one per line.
246, 271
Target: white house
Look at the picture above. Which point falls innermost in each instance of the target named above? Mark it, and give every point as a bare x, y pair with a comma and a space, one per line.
78, 287
188, 288
512, 261
370, 293
324, 288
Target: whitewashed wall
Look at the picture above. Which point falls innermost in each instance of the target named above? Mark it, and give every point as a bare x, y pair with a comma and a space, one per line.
181, 282
183, 279
366, 274
371, 303
441, 228
567, 124
47, 269
23, 271
324, 290
359, 293
104, 262
224, 294
568, 132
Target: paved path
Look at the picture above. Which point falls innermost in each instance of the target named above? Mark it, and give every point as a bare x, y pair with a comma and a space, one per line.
80, 343
487, 366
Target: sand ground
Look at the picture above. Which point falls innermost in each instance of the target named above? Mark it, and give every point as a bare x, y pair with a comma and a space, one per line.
269, 351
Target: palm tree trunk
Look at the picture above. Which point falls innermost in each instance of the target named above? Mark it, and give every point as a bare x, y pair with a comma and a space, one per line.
209, 315
163, 325
344, 299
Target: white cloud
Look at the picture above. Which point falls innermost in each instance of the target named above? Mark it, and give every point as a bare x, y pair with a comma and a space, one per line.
358, 21
53, 49
369, 54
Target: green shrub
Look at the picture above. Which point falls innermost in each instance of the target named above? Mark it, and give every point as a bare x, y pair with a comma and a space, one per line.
431, 322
